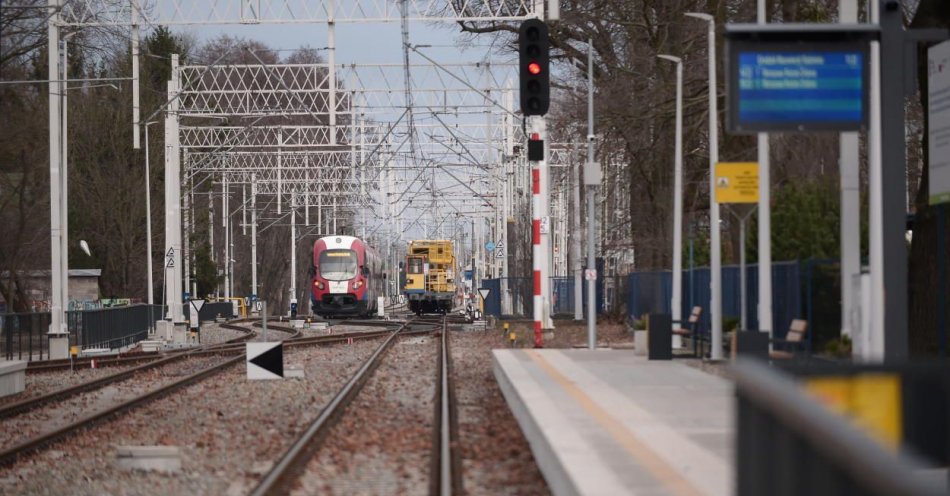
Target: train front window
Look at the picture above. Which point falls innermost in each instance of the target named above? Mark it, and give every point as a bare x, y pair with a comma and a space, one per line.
338, 265
415, 265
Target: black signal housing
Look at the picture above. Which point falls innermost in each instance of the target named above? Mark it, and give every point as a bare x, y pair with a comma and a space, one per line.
534, 67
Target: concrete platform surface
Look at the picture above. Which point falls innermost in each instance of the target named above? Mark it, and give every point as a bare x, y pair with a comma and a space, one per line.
12, 377
606, 422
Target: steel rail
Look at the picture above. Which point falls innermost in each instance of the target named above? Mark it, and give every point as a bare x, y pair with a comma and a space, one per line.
10, 455
125, 358
284, 473
158, 360
67, 392
446, 461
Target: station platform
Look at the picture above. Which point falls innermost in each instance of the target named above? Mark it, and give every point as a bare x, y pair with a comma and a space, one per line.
606, 422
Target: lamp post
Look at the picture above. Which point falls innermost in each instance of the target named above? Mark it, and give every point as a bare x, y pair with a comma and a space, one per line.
715, 310
676, 303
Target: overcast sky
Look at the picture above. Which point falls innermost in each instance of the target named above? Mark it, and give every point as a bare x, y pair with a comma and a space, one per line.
359, 43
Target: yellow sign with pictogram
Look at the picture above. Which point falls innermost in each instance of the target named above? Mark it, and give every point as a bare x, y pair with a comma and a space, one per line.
871, 400
737, 182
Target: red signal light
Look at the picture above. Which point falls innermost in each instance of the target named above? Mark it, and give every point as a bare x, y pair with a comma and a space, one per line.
534, 68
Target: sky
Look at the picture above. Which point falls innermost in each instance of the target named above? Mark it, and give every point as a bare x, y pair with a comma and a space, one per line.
358, 42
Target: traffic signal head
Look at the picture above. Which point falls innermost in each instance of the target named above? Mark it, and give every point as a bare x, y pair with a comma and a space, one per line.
533, 67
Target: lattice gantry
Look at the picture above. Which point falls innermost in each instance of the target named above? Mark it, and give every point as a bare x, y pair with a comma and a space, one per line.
304, 89
187, 12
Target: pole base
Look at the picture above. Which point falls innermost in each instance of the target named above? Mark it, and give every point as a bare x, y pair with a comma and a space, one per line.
58, 345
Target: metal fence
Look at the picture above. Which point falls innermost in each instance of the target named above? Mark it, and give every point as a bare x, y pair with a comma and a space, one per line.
24, 336
806, 289
651, 292
511, 297
514, 296
210, 310
117, 326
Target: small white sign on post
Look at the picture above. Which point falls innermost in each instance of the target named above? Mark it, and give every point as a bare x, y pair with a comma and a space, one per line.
484, 292
265, 360
938, 71
590, 274
196, 306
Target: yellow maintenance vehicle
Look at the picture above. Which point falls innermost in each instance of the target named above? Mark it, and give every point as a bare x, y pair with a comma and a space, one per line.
430, 276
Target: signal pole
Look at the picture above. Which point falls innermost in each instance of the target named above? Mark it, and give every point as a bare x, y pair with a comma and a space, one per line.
535, 86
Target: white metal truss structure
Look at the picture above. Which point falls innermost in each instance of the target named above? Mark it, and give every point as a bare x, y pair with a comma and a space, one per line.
459, 131
422, 141
192, 12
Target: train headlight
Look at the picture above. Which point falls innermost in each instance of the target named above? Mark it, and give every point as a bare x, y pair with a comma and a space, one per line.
357, 284
318, 284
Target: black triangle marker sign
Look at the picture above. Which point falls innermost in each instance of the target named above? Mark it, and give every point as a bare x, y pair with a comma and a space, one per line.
271, 360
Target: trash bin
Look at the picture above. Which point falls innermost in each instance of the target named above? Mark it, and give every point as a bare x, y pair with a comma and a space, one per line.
660, 342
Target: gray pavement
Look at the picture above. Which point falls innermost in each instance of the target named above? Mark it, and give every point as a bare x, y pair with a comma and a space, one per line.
607, 422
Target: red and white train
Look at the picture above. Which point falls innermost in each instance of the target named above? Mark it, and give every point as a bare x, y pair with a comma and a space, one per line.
347, 277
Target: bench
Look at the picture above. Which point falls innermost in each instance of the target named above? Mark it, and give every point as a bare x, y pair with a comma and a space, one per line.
792, 343
693, 323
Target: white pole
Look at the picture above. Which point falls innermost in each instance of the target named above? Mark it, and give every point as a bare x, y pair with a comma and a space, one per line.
716, 249
253, 235
187, 232
148, 219
331, 69
876, 215
57, 305
546, 245
280, 164
591, 202
225, 208
293, 251
849, 166
134, 35
214, 256
506, 182
765, 222
715, 304
578, 254
676, 302
64, 177
231, 292
173, 289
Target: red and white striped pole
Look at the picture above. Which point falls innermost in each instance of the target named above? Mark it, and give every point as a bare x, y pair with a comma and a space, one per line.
536, 254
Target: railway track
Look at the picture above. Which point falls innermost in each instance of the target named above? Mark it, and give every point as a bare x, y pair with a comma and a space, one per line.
444, 476
133, 357
138, 356
446, 468
10, 455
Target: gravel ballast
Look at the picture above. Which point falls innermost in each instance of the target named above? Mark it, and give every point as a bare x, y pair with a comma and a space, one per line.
230, 430
496, 458
383, 442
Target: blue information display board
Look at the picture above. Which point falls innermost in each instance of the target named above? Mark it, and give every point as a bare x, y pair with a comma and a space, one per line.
798, 87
